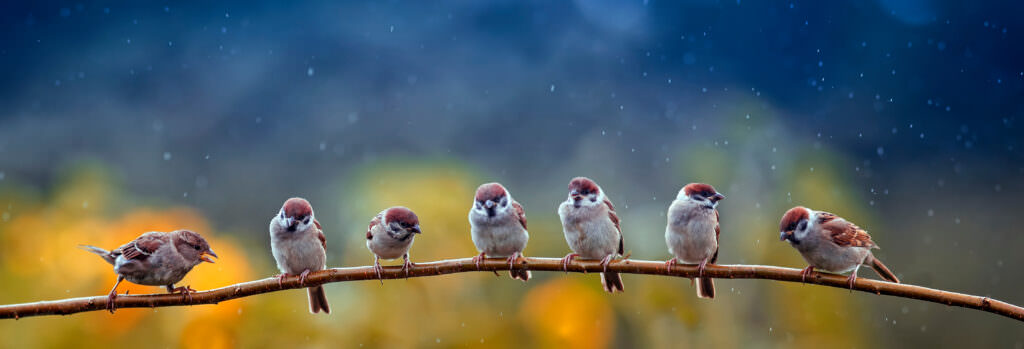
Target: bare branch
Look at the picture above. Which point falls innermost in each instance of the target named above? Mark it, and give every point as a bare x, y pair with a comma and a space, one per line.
245, 289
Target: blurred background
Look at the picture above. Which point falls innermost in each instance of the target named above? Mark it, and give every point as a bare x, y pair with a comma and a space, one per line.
118, 118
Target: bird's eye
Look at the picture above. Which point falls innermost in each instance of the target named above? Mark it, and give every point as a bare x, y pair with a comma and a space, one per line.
504, 202
478, 205
282, 214
196, 247
306, 221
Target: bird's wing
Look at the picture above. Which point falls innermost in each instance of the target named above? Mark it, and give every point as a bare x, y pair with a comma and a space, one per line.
143, 246
373, 223
615, 219
844, 233
520, 213
718, 231
825, 217
320, 234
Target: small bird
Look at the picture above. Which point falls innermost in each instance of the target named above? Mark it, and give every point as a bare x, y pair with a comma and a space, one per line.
830, 243
299, 247
390, 235
592, 229
156, 259
498, 227
692, 231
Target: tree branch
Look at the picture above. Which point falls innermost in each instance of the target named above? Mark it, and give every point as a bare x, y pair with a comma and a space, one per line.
245, 289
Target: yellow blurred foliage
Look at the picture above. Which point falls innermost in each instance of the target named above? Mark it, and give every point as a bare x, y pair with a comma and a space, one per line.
564, 313
41, 255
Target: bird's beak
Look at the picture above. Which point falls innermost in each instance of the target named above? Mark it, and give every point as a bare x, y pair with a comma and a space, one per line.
489, 204
786, 235
575, 194
290, 222
717, 197
205, 256
416, 229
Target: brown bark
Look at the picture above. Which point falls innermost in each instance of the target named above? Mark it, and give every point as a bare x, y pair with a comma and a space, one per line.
245, 289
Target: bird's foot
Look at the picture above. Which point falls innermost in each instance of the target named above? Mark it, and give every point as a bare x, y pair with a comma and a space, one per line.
111, 304
513, 259
670, 263
186, 292
850, 280
805, 273
280, 279
302, 277
606, 261
407, 265
700, 268
479, 259
379, 270
568, 259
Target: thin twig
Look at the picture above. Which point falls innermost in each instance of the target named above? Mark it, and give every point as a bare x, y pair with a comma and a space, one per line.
245, 289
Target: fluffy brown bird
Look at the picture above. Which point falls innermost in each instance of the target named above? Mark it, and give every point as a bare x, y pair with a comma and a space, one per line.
692, 231
299, 247
498, 227
592, 229
830, 243
390, 235
156, 259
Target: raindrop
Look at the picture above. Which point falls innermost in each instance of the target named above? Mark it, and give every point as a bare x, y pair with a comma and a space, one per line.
552, 88
309, 71
167, 155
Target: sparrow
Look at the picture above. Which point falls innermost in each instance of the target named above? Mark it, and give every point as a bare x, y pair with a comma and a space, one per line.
692, 231
299, 247
156, 259
498, 227
830, 243
390, 235
592, 229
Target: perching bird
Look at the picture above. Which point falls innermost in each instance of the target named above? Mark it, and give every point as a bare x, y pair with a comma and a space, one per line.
498, 227
592, 229
156, 259
390, 235
299, 247
830, 243
692, 231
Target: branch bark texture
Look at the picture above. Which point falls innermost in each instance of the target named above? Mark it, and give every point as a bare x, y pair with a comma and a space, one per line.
630, 266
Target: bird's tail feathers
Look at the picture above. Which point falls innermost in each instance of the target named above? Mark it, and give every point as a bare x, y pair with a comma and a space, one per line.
705, 288
881, 269
99, 251
318, 300
523, 275
612, 282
